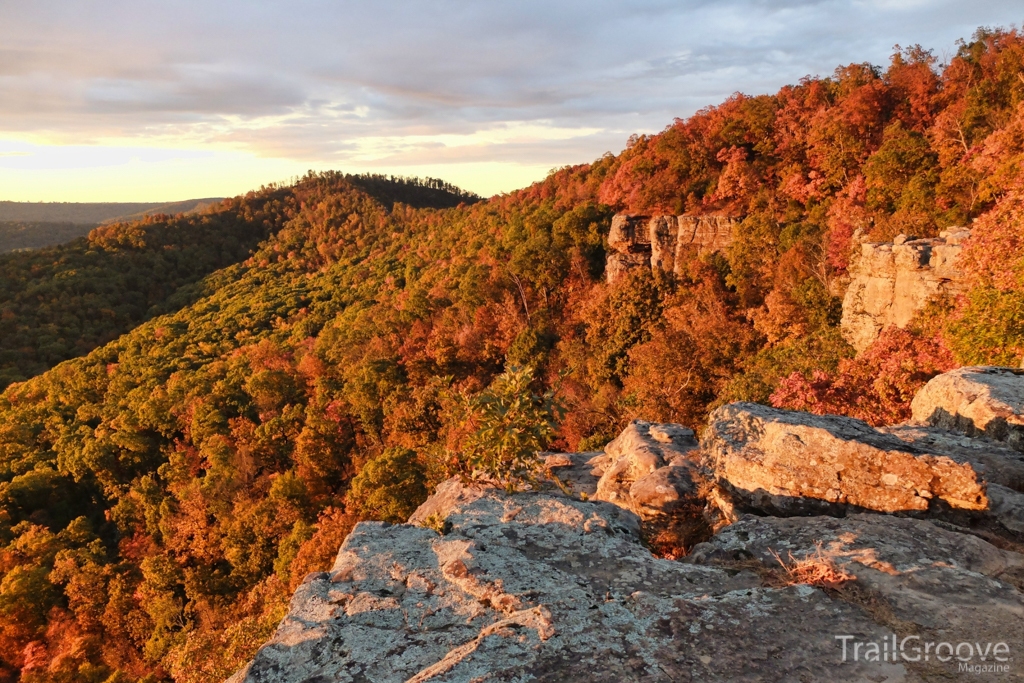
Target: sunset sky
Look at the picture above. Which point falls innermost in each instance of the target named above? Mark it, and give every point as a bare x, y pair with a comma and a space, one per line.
118, 100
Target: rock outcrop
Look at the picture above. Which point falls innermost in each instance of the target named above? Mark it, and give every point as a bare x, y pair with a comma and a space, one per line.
977, 401
924, 582
892, 281
650, 468
844, 553
781, 462
541, 587
656, 241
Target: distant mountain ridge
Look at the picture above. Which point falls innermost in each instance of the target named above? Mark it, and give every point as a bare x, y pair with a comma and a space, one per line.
34, 225
94, 213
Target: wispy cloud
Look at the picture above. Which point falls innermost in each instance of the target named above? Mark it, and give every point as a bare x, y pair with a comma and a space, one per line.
411, 82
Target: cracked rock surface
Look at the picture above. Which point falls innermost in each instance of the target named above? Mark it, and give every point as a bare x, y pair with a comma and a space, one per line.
535, 586
916, 578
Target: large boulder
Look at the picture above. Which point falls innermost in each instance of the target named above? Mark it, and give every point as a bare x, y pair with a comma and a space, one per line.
482, 585
542, 587
781, 462
977, 401
994, 462
790, 462
649, 468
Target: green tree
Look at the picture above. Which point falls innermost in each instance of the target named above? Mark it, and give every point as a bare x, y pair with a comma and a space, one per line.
389, 487
509, 424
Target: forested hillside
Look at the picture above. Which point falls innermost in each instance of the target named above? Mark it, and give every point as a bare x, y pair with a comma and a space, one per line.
60, 302
64, 301
20, 235
92, 213
162, 495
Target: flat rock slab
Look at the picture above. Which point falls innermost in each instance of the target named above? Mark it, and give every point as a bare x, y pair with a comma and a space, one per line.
541, 587
785, 462
916, 578
978, 401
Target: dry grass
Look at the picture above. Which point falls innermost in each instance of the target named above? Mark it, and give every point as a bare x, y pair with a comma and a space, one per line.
817, 569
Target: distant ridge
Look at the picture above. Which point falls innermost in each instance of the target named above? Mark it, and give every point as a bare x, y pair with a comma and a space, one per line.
33, 225
93, 213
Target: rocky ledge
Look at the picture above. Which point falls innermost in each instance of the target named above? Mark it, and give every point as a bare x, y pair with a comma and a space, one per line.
659, 242
830, 551
891, 281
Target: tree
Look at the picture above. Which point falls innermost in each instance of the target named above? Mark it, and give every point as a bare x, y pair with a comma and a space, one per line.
502, 429
389, 487
876, 387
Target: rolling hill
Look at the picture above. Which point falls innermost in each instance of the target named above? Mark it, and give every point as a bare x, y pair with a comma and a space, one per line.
28, 225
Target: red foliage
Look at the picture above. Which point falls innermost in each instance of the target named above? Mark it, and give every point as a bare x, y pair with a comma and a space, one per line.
915, 84
317, 554
846, 214
992, 255
876, 387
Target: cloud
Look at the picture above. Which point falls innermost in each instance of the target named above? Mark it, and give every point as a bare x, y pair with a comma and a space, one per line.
417, 82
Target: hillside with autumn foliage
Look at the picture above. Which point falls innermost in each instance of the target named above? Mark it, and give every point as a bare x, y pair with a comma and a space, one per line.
244, 385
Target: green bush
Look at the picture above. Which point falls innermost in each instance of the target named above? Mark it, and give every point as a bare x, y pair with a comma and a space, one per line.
990, 329
390, 487
509, 425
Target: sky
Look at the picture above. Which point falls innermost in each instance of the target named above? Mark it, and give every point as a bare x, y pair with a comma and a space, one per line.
163, 100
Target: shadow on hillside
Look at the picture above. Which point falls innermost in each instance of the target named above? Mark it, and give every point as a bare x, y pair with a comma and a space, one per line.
419, 193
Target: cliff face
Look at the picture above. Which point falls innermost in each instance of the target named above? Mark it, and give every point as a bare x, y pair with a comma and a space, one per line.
826, 528
892, 281
656, 241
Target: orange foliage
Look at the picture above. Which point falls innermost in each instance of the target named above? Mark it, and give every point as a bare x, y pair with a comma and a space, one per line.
679, 372
163, 496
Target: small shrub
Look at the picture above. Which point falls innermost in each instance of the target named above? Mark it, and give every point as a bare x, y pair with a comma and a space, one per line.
595, 442
438, 523
503, 428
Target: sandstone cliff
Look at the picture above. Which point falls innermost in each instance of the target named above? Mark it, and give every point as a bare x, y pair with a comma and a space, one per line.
892, 281
656, 241
825, 527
